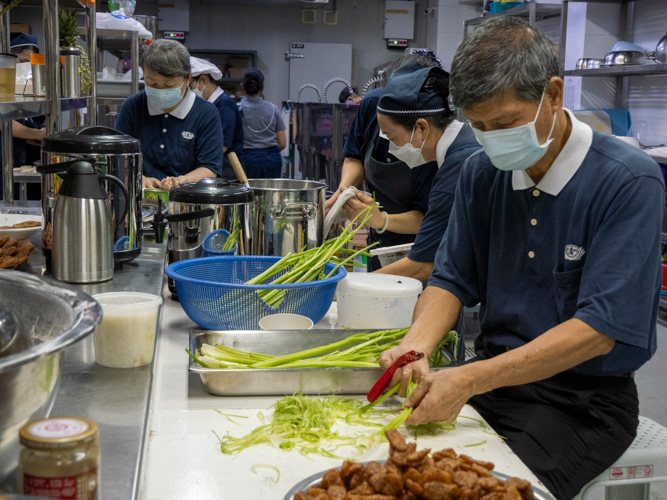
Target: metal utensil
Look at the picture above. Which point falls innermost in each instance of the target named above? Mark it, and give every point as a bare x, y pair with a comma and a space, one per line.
588, 63
661, 51
9, 328
55, 316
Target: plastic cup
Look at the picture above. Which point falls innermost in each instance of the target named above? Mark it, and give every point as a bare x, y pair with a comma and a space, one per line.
126, 336
285, 321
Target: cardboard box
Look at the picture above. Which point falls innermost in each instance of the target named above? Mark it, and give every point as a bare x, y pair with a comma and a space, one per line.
21, 28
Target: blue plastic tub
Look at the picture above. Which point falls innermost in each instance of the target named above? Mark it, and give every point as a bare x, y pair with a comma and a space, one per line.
214, 295
500, 6
214, 242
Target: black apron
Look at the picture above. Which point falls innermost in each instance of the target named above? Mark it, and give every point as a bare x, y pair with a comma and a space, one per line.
392, 184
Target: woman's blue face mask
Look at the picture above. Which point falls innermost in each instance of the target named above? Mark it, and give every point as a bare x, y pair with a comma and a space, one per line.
165, 98
515, 148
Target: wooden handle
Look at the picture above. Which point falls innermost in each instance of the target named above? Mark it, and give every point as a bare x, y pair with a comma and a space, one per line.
238, 169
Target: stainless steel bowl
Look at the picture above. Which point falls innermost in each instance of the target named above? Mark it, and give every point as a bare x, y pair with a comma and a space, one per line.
51, 318
588, 63
625, 58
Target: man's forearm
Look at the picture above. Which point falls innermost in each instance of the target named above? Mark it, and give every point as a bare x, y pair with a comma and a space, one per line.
435, 314
561, 348
353, 172
409, 268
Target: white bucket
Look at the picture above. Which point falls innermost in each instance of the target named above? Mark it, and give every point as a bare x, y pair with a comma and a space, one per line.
377, 300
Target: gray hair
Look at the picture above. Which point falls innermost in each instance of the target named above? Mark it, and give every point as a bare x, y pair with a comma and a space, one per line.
168, 58
502, 54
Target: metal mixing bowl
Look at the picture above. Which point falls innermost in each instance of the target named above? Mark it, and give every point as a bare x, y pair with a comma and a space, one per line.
625, 58
51, 318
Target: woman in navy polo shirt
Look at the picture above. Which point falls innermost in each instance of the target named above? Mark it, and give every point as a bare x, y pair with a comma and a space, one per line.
203, 84
180, 134
415, 117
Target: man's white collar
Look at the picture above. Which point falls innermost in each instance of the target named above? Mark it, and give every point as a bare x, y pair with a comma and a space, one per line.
180, 112
448, 136
566, 163
216, 93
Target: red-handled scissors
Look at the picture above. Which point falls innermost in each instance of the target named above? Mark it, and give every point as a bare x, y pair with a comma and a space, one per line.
385, 379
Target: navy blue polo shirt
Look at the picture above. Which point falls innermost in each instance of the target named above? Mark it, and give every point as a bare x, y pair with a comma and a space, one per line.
232, 129
362, 133
174, 143
452, 152
584, 243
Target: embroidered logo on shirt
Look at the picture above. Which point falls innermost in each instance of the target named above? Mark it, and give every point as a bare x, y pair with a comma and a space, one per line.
188, 135
573, 252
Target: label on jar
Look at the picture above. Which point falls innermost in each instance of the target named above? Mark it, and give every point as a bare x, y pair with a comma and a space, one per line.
58, 428
81, 487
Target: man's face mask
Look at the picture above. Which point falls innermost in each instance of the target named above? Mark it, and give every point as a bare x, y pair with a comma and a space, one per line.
516, 148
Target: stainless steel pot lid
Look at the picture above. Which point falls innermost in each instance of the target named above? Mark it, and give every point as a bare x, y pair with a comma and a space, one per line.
212, 191
91, 140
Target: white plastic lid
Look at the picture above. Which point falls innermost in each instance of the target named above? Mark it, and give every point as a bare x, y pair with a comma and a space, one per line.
128, 300
379, 285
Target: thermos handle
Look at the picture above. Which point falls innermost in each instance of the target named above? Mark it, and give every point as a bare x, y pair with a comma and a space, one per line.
126, 194
59, 168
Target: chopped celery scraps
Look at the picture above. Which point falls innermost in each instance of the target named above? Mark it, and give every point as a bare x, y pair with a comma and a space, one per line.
310, 425
361, 350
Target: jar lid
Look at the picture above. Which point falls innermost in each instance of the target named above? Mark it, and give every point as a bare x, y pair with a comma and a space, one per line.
69, 51
49, 433
212, 191
379, 285
92, 140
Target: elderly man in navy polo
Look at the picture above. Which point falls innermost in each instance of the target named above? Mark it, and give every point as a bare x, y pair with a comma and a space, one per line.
555, 231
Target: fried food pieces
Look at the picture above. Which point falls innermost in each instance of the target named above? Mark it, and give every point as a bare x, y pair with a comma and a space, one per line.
409, 474
12, 252
23, 225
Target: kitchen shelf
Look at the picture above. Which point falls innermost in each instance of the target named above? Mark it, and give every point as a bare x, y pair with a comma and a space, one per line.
644, 70
69, 103
111, 101
22, 107
109, 33
472, 3
543, 9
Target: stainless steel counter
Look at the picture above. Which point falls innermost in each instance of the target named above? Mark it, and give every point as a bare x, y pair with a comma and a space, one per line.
117, 399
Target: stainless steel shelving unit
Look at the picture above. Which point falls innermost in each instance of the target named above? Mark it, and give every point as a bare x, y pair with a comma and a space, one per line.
26, 107
621, 71
533, 11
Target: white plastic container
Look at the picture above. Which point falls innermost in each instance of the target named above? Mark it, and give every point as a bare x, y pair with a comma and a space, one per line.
285, 321
126, 336
377, 300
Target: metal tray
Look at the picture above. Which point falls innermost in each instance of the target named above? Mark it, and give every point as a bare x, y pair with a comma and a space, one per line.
280, 381
316, 478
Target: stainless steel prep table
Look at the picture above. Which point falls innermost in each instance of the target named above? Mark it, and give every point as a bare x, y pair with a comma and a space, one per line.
117, 399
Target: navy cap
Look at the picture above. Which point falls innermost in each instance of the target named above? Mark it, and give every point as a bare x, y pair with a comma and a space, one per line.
23, 40
408, 92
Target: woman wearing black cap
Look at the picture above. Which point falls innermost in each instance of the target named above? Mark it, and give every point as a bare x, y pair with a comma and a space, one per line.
263, 130
399, 189
414, 115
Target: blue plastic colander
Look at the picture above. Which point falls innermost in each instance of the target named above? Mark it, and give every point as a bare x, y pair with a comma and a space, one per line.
214, 242
213, 294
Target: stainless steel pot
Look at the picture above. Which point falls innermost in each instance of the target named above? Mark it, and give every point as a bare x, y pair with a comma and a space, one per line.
198, 209
287, 215
71, 72
51, 318
115, 154
661, 51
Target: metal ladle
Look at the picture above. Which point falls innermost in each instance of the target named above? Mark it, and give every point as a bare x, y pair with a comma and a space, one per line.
9, 328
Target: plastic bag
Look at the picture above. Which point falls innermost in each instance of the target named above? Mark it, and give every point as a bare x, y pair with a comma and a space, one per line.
127, 6
118, 21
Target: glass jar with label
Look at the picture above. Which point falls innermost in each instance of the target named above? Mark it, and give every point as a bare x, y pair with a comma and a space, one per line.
60, 459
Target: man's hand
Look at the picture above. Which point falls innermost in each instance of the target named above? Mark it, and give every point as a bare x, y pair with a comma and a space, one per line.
354, 207
441, 395
418, 369
330, 202
151, 183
